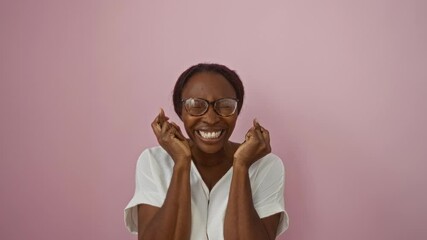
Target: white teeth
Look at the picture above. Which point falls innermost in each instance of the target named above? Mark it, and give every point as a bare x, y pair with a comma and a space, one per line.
209, 135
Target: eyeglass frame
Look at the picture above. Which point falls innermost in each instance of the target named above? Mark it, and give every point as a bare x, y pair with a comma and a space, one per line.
210, 104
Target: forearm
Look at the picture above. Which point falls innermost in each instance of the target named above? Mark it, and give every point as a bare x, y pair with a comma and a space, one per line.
173, 220
241, 219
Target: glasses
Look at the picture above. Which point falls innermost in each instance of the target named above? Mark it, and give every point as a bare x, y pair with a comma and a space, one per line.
224, 107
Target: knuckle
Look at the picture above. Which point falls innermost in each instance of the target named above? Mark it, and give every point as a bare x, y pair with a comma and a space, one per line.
164, 138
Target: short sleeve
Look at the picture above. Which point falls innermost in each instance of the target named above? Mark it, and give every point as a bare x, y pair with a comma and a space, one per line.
268, 190
148, 190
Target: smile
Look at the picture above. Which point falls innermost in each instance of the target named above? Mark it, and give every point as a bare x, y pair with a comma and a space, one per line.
209, 134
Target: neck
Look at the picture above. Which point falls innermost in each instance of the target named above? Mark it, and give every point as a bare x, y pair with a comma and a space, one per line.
213, 159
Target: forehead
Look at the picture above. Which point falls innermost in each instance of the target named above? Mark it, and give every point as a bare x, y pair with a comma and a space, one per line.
209, 86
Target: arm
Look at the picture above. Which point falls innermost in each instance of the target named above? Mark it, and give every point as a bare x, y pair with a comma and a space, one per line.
241, 219
173, 219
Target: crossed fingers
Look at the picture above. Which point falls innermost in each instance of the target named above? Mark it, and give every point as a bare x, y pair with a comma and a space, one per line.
258, 132
164, 129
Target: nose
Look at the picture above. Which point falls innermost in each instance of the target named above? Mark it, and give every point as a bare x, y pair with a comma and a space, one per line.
211, 117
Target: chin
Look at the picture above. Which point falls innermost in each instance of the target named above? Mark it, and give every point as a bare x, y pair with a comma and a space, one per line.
209, 148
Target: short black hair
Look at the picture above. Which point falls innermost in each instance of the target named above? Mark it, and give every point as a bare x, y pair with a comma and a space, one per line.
230, 75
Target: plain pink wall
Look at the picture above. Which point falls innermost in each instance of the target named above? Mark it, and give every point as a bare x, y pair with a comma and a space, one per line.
341, 85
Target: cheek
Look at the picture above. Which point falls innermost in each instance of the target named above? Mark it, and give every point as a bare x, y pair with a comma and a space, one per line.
188, 131
188, 123
232, 122
234, 118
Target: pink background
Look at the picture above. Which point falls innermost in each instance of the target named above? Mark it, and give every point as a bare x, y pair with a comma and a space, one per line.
341, 85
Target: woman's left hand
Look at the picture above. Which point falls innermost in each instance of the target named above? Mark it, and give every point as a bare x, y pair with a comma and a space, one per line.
255, 146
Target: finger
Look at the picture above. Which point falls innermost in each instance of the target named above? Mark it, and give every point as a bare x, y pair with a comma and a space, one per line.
249, 134
165, 127
180, 136
264, 131
156, 126
175, 134
175, 125
256, 124
155, 123
262, 134
156, 129
156, 119
162, 117
258, 133
161, 114
260, 128
171, 132
178, 132
266, 135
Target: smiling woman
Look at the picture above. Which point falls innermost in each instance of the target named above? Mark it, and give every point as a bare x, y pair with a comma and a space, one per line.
207, 187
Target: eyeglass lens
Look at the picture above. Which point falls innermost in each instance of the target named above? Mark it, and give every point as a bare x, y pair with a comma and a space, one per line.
224, 107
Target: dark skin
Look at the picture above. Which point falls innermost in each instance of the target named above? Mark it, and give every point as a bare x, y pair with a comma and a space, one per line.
213, 158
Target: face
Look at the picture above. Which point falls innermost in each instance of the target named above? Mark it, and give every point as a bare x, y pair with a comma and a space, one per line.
210, 132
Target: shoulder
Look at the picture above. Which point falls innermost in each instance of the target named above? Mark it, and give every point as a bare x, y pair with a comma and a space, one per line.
155, 156
267, 174
269, 165
156, 152
271, 160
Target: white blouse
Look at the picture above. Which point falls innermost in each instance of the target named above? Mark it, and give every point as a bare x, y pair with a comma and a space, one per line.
154, 172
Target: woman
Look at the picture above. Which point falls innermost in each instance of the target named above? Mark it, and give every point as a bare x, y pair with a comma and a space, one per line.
207, 187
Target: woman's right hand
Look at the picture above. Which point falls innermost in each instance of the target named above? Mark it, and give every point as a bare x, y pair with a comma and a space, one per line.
170, 137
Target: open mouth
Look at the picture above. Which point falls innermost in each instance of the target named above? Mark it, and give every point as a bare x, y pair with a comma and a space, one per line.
210, 135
